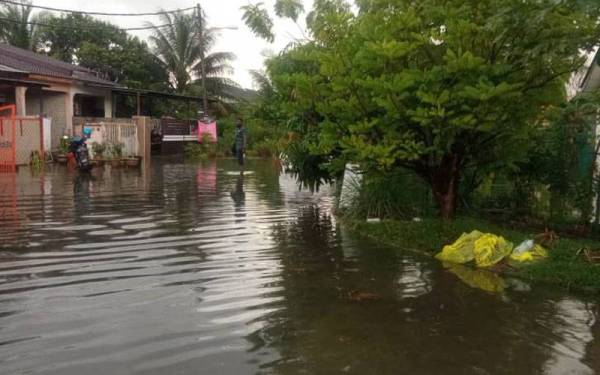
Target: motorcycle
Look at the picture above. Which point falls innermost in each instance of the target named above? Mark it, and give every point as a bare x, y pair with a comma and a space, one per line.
80, 151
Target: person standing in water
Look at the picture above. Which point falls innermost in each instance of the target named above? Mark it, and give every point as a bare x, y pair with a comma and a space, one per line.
241, 140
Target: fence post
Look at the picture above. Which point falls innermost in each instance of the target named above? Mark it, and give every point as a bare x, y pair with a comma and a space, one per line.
14, 143
42, 150
143, 139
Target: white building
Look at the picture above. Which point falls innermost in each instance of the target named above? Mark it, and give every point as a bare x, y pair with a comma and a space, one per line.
42, 86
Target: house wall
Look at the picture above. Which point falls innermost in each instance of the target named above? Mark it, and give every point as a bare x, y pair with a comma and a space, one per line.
58, 105
7, 95
106, 94
28, 138
54, 108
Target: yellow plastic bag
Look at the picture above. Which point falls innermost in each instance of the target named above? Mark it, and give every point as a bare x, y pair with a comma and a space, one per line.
537, 252
477, 278
462, 250
490, 249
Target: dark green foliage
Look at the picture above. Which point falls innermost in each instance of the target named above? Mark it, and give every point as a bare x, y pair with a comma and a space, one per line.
63, 146
258, 20
128, 62
19, 25
98, 150
105, 48
63, 42
180, 51
399, 194
289, 8
555, 184
116, 150
442, 88
201, 151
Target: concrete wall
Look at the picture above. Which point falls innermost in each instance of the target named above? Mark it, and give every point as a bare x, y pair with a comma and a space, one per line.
106, 94
144, 128
28, 138
54, 108
58, 105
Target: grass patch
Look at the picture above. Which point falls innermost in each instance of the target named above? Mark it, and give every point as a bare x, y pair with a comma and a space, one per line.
563, 267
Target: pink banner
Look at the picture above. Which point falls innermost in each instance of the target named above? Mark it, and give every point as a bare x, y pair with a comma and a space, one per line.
207, 128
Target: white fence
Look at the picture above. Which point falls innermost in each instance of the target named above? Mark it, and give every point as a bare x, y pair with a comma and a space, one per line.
111, 133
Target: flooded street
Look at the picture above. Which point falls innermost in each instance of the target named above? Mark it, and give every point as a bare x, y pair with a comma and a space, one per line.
197, 269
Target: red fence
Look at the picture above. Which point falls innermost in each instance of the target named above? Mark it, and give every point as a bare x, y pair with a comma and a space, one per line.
8, 140
20, 138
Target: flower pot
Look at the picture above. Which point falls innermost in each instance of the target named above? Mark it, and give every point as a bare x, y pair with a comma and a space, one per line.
133, 162
98, 162
115, 163
62, 158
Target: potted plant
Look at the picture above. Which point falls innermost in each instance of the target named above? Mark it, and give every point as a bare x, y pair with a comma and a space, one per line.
63, 149
117, 153
35, 160
98, 150
132, 161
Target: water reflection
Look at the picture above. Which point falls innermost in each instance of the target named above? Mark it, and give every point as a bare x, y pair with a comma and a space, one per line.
81, 194
479, 278
197, 268
238, 195
571, 327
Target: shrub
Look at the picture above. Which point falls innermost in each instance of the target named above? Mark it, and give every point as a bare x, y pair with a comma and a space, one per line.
116, 150
98, 149
398, 194
201, 151
63, 146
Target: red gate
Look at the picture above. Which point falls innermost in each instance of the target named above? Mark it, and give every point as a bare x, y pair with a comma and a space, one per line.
20, 139
8, 150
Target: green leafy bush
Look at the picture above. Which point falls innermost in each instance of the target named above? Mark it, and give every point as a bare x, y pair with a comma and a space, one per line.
98, 149
116, 150
201, 151
63, 146
395, 195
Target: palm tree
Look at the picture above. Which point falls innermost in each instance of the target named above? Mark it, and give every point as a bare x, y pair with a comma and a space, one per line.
19, 26
178, 47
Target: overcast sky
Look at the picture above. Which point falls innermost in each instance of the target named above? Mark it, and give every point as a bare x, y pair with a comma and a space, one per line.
248, 48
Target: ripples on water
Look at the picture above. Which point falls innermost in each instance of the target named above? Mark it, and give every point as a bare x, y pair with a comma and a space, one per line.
198, 269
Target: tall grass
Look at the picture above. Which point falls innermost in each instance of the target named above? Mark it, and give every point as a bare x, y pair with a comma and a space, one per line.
398, 194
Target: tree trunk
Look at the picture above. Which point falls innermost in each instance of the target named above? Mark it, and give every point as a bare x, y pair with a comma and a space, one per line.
445, 184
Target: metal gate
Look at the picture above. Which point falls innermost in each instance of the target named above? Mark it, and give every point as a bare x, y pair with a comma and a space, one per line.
111, 133
8, 156
20, 139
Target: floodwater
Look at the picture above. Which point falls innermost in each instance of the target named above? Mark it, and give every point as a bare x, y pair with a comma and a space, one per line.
197, 269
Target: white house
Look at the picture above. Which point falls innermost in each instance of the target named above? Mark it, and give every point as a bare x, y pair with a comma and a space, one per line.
41, 85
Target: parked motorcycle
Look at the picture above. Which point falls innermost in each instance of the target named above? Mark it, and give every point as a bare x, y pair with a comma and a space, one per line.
80, 151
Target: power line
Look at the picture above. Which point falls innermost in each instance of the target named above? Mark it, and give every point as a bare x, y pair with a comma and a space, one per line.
97, 13
83, 28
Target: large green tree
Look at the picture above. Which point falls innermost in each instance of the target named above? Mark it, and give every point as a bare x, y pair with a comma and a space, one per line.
180, 49
105, 48
260, 22
65, 35
128, 62
19, 25
438, 87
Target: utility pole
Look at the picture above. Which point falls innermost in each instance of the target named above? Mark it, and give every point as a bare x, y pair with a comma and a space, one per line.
200, 33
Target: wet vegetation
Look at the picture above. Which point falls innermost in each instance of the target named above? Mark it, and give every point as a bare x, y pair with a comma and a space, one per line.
450, 109
567, 266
